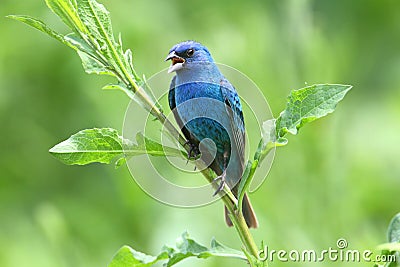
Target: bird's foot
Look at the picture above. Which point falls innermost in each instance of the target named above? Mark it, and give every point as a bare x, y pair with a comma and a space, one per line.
222, 183
193, 152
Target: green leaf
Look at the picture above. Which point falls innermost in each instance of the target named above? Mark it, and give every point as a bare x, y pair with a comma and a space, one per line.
97, 19
185, 247
66, 11
308, 104
78, 44
113, 86
88, 146
94, 41
148, 146
392, 249
120, 162
128, 257
92, 65
268, 140
105, 144
394, 229
39, 25
220, 250
304, 105
127, 57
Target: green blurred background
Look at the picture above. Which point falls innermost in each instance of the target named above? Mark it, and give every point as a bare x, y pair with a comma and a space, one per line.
338, 178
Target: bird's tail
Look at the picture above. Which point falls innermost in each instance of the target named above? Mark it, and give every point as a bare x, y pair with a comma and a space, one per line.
248, 214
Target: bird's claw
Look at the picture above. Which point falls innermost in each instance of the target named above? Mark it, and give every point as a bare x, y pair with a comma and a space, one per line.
193, 151
221, 185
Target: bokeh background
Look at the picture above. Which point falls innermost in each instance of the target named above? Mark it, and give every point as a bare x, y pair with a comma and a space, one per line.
338, 178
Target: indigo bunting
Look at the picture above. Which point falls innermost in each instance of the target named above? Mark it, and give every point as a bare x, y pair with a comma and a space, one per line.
206, 106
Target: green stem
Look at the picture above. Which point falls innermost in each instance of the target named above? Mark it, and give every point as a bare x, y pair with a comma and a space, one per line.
236, 216
227, 197
244, 232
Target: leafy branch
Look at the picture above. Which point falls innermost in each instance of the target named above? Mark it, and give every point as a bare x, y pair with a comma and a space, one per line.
391, 251
93, 39
185, 247
104, 145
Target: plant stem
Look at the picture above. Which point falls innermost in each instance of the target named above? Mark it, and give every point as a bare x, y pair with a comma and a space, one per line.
227, 197
244, 233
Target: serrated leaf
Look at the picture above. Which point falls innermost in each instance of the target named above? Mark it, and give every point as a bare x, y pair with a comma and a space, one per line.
78, 43
66, 11
90, 62
92, 65
392, 249
39, 25
308, 104
97, 19
128, 58
105, 144
394, 229
218, 249
88, 146
128, 257
114, 86
93, 39
187, 247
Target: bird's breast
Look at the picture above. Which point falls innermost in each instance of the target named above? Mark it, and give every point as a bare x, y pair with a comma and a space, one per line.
202, 111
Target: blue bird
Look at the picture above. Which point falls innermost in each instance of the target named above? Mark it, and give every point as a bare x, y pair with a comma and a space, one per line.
207, 107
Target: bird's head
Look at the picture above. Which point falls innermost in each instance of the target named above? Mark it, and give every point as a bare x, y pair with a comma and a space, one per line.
187, 53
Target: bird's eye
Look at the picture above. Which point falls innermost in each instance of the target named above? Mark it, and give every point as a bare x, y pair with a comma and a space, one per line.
190, 52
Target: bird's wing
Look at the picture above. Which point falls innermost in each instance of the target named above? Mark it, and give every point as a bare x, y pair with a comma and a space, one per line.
234, 110
172, 106
171, 94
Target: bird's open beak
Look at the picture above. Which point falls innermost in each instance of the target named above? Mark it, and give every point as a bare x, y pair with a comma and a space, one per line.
177, 62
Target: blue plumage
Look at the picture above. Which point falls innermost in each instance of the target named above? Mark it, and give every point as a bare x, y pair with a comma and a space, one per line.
206, 105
